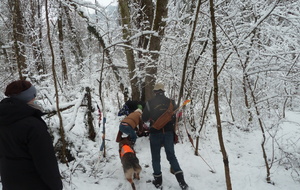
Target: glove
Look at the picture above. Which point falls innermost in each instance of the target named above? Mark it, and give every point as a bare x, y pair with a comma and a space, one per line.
146, 133
139, 134
146, 127
143, 134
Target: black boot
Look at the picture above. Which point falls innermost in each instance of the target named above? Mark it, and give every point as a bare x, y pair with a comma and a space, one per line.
180, 179
172, 171
157, 180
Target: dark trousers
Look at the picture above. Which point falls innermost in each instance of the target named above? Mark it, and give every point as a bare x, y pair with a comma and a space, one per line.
127, 129
157, 140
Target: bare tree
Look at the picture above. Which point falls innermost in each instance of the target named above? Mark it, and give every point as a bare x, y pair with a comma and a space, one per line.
63, 146
76, 47
36, 35
216, 95
260, 122
187, 53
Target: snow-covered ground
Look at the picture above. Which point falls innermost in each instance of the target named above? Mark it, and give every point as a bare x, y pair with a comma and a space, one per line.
90, 171
245, 158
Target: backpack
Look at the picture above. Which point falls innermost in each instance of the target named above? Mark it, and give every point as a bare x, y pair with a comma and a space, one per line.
164, 118
124, 111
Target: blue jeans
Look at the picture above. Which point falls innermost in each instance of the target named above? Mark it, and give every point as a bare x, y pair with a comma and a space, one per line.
157, 140
128, 130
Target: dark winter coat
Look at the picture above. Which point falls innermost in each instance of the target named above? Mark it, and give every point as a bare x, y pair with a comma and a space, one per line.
27, 158
129, 107
155, 108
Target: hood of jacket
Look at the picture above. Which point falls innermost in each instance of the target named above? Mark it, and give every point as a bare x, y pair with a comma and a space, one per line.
13, 110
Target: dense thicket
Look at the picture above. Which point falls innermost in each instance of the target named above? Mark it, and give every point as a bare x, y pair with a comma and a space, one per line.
128, 48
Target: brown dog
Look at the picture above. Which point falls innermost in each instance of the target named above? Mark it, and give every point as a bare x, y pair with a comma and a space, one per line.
129, 161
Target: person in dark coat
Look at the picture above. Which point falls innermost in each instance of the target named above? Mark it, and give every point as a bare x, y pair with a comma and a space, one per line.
164, 137
130, 106
27, 158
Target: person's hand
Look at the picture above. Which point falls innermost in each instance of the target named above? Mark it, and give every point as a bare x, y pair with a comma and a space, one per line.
139, 134
145, 126
142, 134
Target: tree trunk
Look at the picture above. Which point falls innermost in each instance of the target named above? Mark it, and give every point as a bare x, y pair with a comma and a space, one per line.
143, 23
268, 178
91, 128
42, 64
216, 96
77, 50
229, 99
187, 54
203, 116
18, 37
6, 59
63, 148
125, 14
159, 24
247, 104
61, 46
145, 15
35, 38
